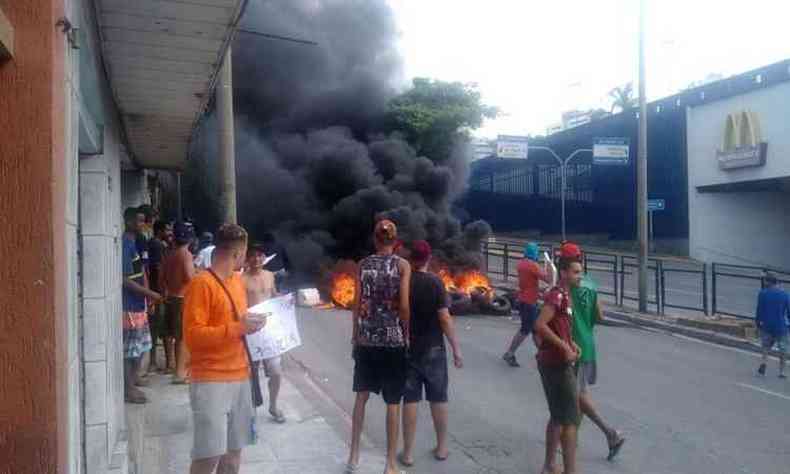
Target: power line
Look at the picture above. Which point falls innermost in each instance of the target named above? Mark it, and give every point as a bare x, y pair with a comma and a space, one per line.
278, 37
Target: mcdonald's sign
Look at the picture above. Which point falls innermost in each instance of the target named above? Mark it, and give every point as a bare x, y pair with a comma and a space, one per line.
742, 144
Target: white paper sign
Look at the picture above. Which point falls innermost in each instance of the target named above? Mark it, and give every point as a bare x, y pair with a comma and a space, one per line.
281, 333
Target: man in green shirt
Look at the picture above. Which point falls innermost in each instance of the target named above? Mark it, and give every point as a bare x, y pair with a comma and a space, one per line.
586, 314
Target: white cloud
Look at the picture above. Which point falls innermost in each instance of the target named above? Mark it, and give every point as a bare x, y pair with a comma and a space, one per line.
536, 59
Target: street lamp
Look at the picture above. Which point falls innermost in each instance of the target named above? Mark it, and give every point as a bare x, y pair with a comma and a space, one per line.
563, 173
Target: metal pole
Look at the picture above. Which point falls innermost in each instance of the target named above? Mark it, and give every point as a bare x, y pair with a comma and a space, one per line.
227, 146
562, 197
179, 203
642, 168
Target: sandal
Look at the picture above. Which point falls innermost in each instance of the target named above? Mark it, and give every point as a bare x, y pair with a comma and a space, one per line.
137, 398
402, 460
614, 449
351, 469
277, 416
440, 458
180, 381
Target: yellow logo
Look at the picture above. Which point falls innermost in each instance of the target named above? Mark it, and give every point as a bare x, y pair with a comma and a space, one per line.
742, 144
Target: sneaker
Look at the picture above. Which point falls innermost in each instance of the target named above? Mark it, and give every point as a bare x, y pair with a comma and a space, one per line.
761, 370
782, 375
511, 360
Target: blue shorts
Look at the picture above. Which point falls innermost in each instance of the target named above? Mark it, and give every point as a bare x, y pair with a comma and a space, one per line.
769, 340
529, 314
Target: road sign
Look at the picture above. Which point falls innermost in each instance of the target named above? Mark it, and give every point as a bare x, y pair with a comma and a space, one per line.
511, 146
656, 205
611, 151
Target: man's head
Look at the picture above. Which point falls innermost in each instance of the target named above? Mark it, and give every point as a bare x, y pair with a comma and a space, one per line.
385, 233
255, 256
569, 250
420, 254
183, 233
162, 230
571, 271
133, 219
231, 242
770, 279
148, 212
206, 239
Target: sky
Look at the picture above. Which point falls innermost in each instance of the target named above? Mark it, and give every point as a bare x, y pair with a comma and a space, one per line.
537, 58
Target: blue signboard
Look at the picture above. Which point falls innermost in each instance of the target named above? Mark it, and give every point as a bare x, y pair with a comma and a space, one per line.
656, 205
611, 151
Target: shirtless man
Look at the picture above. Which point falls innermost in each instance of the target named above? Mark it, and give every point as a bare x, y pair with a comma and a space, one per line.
260, 287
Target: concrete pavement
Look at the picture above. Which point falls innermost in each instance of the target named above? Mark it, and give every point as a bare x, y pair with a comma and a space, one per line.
160, 433
686, 406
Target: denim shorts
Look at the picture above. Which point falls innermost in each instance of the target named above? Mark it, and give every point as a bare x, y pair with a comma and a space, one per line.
429, 371
529, 314
769, 341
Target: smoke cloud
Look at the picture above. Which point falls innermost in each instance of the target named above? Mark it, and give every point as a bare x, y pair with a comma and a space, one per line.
314, 165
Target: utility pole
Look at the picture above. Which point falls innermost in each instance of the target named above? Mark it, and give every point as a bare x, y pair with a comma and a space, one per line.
179, 202
227, 145
641, 168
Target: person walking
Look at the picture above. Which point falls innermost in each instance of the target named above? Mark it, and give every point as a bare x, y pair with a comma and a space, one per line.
530, 274
427, 369
586, 314
260, 287
556, 357
773, 311
178, 271
136, 331
215, 323
379, 336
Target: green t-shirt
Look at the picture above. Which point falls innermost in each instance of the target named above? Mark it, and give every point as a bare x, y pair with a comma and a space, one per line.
585, 300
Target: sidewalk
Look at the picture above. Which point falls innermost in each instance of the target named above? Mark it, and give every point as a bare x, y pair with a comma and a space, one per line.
160, 435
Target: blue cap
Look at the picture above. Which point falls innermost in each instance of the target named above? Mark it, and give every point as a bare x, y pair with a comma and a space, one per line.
531, 251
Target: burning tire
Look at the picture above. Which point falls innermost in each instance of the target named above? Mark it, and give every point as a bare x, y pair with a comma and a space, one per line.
499, 306
461, 304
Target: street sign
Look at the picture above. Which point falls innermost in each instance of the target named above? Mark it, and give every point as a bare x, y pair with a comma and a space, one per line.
511, 146
656, 205
611, 151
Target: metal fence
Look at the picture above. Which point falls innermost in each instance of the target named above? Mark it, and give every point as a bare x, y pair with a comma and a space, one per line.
672, 283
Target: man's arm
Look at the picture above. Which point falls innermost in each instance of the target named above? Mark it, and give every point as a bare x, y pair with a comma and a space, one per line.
599, 318
758, 318
448, 328
544, 331
141, 289
405, 288
355, 311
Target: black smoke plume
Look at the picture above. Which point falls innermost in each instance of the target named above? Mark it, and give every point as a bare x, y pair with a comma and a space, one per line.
316, 163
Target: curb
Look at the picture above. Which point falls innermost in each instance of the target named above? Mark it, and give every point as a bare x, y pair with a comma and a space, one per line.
707, 336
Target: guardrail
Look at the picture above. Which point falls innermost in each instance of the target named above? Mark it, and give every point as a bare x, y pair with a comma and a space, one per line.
673, 284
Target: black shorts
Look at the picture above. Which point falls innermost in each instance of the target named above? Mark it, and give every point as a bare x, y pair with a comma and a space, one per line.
173, 315
427, 370
529, 314
559, 384
380, 370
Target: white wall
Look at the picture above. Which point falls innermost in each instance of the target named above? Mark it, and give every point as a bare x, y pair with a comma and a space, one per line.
748, 228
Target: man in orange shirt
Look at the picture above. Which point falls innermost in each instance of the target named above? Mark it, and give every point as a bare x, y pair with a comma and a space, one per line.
177, 272
215, 322
530, 274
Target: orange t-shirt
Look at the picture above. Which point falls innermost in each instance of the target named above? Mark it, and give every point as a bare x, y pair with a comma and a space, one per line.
211, 333
529, 276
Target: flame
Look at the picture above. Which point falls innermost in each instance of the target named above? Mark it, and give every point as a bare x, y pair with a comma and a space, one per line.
466, 282
343, 287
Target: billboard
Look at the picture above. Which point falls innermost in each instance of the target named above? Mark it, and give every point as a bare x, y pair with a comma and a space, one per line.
511, 146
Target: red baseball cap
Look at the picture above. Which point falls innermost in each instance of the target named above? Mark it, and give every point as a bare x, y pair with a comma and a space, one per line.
420, 252
569, 250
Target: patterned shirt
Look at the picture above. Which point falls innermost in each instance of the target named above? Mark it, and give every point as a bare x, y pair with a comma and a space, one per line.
379, 303
550, 355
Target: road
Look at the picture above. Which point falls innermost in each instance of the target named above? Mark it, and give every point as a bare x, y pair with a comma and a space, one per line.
685, 406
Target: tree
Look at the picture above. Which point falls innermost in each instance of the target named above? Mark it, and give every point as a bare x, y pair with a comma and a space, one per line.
434, 115
623, 97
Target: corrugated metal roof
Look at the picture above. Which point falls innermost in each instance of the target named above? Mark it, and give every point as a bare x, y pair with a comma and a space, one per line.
162, 57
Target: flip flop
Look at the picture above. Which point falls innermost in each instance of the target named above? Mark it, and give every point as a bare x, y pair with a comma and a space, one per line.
402, 460
440, 458
277, 416
614, 449
180, 381
351, 469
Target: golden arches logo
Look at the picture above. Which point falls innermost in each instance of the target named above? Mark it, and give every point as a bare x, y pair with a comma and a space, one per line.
742, 144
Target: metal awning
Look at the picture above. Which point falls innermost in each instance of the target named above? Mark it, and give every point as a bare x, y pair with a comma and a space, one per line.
162, 58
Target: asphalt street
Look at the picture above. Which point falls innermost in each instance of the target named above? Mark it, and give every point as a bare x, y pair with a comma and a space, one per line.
685, 406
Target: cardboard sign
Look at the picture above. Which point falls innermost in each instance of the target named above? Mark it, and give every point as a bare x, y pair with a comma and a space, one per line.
281, 333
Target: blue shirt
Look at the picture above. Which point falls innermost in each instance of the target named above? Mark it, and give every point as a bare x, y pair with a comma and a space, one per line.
773, 310
133, 270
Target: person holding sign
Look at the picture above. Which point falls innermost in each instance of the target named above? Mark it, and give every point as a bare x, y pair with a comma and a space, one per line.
222, 391
260, 285
380, 336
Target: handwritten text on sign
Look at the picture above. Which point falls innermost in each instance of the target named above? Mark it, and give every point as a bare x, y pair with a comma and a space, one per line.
281, 334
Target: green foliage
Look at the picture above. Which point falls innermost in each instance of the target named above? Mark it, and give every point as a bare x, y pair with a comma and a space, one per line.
623, 97
434, 115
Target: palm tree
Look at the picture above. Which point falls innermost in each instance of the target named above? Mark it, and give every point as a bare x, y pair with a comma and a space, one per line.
623, 97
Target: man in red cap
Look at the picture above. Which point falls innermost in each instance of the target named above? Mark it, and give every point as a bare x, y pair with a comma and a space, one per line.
430, 324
